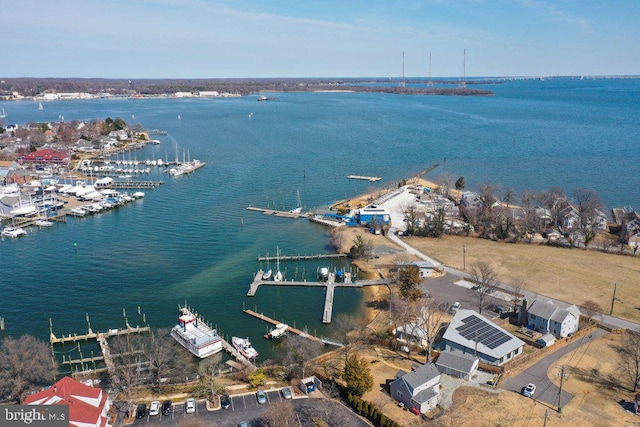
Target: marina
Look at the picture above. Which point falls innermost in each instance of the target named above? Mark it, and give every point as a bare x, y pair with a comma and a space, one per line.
328, 281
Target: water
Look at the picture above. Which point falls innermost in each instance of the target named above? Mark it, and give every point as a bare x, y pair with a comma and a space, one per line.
193, 239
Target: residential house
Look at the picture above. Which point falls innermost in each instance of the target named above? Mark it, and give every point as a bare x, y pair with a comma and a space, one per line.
88, 406
472, 334
426, 268
547, 317
418, 390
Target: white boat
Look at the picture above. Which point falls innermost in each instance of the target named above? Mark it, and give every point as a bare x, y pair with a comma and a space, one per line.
40, 107
138, 195
14, 232
244, 347
195, 335
177, 171
278, 276
279, 331
44, 223
267, 275
78, 212
298, 208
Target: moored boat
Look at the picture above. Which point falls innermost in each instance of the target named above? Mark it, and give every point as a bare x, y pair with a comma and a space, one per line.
43, 223
14, 232
196, 335
279, 331
244, 347
267, 275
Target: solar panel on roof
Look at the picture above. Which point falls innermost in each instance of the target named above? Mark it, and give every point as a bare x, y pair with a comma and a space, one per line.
477, 329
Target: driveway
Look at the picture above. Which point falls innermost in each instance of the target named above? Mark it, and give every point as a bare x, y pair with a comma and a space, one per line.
546, 391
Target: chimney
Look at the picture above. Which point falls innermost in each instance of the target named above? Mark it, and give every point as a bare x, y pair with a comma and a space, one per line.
55, 389
523, 311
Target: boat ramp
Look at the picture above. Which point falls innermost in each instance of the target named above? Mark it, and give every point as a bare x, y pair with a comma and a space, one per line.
330, 284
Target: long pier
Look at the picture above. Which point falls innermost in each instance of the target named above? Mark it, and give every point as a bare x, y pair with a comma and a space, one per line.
275, 322
284, 214
135, 184
299, 257
330, 284
90, 335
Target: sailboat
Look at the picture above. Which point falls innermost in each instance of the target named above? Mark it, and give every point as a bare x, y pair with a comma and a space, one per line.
40, 107
298, 208
277, 277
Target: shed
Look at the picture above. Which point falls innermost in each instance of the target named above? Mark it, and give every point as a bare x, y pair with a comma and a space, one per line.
457, 364
547, 340
310, 384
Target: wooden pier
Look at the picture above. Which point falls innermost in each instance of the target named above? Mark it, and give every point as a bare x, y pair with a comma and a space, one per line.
240, 358
365, 178
300, 257
90, 335
330, 284
275, 322
284, 214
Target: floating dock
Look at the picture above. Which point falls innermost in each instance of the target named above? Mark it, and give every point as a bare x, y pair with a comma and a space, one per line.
365, 178
330, 284
275, 322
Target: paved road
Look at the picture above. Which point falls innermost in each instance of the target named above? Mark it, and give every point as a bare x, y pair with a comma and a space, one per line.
546, 391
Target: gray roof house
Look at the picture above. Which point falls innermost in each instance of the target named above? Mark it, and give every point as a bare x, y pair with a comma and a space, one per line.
547, 317
418, 390
457, 364
472, 334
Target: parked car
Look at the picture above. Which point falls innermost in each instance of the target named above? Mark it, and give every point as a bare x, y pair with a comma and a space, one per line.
141, 410
154, 409
190, 406
454, 307
225, 401
166, 407
244, 424
262, 397
286, 393
529, 390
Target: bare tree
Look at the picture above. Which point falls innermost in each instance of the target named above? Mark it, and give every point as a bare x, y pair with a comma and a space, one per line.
25, 363
428, 321
280, 414
591, 309
297, 352
348, 330
630, 358
207, 385
519, 286
484, 277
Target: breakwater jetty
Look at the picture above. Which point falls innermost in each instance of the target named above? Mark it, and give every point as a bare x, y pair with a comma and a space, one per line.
329, 282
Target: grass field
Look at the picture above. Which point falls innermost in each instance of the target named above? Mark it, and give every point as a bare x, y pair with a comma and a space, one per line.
571, 275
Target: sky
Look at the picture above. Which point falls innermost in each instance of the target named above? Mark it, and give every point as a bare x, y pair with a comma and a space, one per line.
318, 38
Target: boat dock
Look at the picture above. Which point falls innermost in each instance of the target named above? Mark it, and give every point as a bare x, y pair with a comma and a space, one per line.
285, 214
330, 285
246, 363
365, 178
290, 328
90, 335
300, 257
135, 184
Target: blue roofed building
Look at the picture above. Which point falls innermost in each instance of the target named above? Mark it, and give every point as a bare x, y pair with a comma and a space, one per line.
373, 214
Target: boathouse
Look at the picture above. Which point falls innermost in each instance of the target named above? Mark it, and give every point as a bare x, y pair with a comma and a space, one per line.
373, 214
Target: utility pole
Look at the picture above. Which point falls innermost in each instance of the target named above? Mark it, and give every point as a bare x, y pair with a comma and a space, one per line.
560, 390
464, 257
615, 288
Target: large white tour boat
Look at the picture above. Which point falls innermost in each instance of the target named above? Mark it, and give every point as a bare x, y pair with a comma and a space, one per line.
195, 335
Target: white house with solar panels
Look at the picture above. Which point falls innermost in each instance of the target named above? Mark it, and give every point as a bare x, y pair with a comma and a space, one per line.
472, 334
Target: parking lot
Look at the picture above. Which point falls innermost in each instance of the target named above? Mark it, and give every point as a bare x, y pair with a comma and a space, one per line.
244, 407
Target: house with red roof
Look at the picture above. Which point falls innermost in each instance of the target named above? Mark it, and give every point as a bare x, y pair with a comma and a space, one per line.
46, 156
88, 406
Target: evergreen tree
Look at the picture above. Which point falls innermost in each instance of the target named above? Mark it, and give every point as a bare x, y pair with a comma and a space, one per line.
357, 375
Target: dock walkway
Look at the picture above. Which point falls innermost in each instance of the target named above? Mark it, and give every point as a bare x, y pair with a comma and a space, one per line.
365, 178
330, 284
236, 354
299, 257
275, 322
284, 214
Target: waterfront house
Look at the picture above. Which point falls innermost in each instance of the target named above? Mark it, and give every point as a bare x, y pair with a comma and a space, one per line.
88, 406
46, 157
426, 268
472, 334
546, 317
418, 390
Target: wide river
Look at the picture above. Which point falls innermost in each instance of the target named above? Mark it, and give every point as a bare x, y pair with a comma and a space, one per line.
193, 239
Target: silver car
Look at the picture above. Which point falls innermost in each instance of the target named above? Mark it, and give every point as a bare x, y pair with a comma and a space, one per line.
262, 397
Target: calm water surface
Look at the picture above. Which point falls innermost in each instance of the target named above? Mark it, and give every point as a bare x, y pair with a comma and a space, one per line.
193, 239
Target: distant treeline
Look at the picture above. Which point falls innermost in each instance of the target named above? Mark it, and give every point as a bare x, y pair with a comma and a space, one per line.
30, 87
